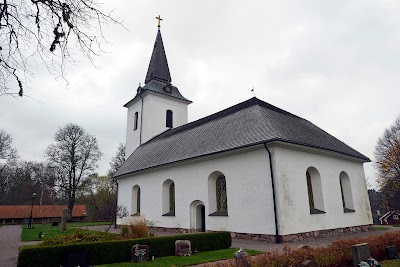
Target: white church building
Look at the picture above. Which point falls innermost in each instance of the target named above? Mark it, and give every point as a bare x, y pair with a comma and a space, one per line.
252, 169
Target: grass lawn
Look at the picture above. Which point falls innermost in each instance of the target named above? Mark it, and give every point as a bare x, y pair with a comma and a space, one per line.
201, 257
379, 228
393, 263
52, 231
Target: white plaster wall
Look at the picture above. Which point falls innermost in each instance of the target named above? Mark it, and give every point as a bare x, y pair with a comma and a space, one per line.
247, 173
290, 166
154, 114
133, 136
154, 118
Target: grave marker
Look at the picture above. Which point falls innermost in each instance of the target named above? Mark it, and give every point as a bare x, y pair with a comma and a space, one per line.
183, 248
139, 253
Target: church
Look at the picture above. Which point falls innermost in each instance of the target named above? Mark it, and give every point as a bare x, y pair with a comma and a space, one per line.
252, 169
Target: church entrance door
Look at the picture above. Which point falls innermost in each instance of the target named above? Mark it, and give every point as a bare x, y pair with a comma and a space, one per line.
197, 216
203, 218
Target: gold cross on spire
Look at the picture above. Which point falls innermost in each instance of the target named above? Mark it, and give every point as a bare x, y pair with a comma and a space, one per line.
159, 20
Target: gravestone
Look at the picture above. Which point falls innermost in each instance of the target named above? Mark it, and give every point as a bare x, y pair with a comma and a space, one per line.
64, 220
391, 252
76, 258
139, 253
360, 253
183, 248
309, 263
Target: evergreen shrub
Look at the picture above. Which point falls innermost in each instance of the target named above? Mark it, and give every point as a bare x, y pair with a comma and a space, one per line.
105, 252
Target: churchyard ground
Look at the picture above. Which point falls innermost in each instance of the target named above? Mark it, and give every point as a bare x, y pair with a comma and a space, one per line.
197, 258
52, 231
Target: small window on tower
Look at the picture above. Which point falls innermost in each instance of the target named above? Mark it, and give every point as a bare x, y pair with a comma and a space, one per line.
136, 121
169, 119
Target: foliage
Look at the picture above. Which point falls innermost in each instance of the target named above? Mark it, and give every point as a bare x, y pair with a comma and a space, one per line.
392, 263
52, 231
32, 31
100, 198
136, 228
387, 156
74, 156
78, 236
336, 254
379, 228
197, 258
8, 156
117, 160
119, 251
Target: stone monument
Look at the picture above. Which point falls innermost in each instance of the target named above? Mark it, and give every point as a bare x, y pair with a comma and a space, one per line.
139, 253
64, 218
360, 253
183, 248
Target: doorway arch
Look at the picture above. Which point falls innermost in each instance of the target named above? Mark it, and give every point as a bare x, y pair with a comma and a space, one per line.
197, 216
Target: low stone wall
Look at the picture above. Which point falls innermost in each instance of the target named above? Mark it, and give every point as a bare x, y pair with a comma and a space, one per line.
325, 233
283, 238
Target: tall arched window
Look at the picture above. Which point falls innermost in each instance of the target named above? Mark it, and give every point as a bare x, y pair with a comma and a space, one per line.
169, 119
217, 194
172, 198
345, 189
310, 191
168, 198
222, 204
135, 122
314, 188
135, 201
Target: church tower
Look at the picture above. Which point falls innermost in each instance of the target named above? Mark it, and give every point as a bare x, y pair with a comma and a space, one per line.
158, 105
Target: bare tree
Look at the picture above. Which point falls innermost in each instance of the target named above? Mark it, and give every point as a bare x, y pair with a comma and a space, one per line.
117, 160
387, 156
8, 159
41, 32
74, 155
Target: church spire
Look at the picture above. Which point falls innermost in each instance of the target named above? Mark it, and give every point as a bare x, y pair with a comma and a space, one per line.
158, 67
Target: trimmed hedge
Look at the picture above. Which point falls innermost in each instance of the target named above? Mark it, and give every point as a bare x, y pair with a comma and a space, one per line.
105, 252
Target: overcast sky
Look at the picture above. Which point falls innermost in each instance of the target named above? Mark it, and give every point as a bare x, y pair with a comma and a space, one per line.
334, 63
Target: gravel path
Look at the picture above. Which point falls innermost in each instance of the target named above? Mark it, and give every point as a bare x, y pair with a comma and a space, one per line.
10, 239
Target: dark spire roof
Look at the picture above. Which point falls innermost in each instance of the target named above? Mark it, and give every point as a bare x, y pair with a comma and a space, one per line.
158, 78
158, 67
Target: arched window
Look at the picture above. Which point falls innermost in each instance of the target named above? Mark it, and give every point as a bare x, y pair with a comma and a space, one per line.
168, 198
136, 120
345, 189
172, 198
169, 119
314, 188
135, 201
222, 205
310, 191
217, 194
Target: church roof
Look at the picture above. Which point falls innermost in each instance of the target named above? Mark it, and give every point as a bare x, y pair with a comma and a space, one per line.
158, 78
158, 67
246, 124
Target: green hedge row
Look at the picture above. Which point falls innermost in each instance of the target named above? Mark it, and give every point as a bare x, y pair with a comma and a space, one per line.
105, 252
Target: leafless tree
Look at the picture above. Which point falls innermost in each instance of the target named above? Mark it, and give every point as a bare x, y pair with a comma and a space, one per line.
117, 160
74, 155
387, 156
46, 32
8, 159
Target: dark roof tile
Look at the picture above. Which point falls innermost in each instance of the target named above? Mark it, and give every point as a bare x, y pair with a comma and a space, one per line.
248, 123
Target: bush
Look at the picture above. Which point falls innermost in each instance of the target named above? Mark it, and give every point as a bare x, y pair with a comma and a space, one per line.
137, 228
337, 254
78, 236
105, 252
